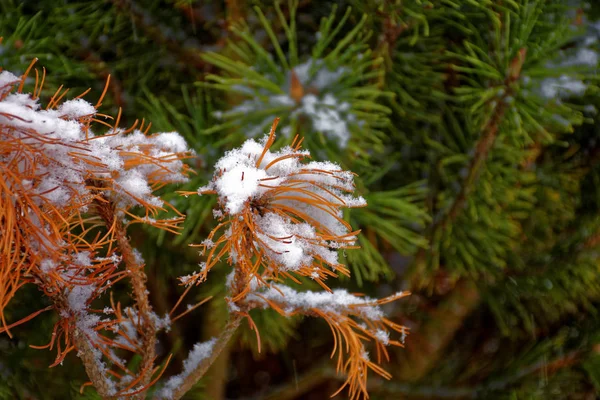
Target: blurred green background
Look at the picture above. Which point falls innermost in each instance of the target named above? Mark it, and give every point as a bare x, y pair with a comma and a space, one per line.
472, 126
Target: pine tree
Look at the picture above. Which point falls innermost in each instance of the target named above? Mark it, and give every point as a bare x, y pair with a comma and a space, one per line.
470, 125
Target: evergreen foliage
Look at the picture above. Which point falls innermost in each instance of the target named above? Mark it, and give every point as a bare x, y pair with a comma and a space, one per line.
472, 126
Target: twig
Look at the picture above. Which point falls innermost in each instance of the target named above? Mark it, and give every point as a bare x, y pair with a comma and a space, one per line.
467, 297
91, 364
216, 378
90, 357
489, 133
198, 372
140, 293
566, 360
323, 372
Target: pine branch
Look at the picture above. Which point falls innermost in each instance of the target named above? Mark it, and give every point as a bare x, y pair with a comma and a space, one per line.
321, 373
439, 331
487, 140
91, 363
391, 31
199, 371
216, 378
488, 136
564, 361
140, 292
90, 356
550, 367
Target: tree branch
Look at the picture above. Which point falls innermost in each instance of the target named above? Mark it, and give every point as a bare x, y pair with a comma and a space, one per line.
140, 293
91, 364
489, 133
213, 322
198, 372
437, 333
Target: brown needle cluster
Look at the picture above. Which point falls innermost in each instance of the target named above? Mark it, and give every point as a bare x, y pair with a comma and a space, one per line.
281, 218
64, 196
284, 220
67, 196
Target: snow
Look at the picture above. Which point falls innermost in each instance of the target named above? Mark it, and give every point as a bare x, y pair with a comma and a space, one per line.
72, 153
320, 105
139, 259
238, 184
328, 116
132, 186
313, 73
382, 336
112, 388
77, 301
82, 259
76, 108
338, 301
238, 179
552, 88
200, 352
129, 324
292, 245
583, 57
229, 279
293, 207
403, 336
47, 265
171, 141
78, 297
283, 100
7, 79
188, 280
217, 214
286, 242
207, 243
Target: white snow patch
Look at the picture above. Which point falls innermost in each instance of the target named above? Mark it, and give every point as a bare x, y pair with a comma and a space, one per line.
338, 301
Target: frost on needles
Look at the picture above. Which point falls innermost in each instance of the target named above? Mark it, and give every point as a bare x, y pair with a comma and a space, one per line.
286, 212
68, 194
281, 217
